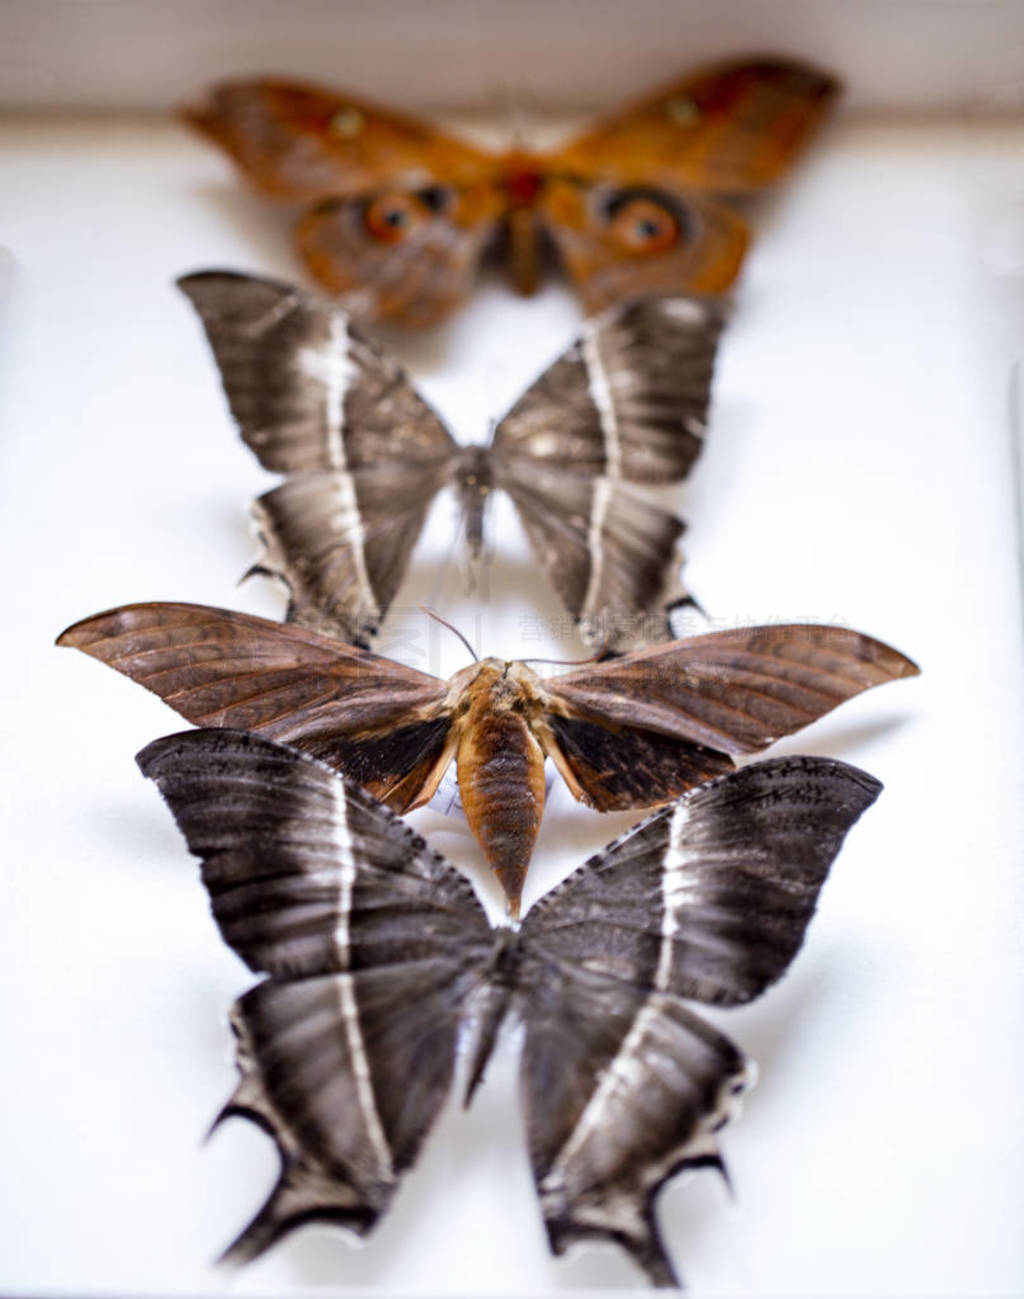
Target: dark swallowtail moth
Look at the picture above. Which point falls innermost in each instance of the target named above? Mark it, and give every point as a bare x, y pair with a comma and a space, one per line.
379, 962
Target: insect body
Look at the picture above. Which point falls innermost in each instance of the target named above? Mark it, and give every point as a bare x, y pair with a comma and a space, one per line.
364, 455
377, 956
398, 215
630, 732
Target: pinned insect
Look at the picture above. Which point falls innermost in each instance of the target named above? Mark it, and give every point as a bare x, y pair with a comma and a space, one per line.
399, 214
364, 455
378, 954
631, 732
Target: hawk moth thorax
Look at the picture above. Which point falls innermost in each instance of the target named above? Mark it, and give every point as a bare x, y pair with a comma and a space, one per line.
522, 183
500, 765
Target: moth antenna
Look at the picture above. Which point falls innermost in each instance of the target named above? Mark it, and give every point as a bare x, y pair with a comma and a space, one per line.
445, 623
604, 650
576, 663
566, 663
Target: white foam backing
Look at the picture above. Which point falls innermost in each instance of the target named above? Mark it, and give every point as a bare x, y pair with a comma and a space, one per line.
858, 468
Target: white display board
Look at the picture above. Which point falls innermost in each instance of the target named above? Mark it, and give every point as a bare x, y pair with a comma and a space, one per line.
858, 469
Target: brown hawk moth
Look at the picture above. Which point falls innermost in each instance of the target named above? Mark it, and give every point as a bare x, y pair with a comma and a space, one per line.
630, 732
398, 214
380, 963
364, 455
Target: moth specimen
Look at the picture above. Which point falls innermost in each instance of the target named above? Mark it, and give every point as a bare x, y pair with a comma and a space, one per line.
631, 732
378, 957
399, 214
364, 455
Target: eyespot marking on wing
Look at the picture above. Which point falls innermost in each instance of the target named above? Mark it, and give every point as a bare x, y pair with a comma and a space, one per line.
396, 215
645, 221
